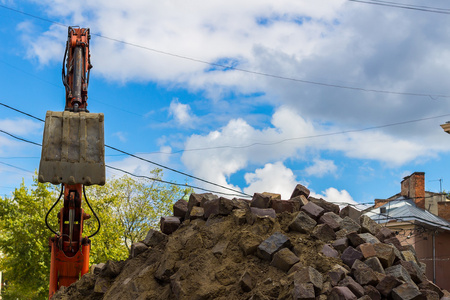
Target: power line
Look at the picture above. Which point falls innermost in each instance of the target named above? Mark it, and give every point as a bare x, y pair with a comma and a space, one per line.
254, 144
19, 138
141, 176
127, 153
229, 67
306, 137
168, 182
406, 6
15, 167
22, 112
176, 171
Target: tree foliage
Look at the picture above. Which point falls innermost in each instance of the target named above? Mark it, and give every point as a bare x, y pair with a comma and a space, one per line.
126, 207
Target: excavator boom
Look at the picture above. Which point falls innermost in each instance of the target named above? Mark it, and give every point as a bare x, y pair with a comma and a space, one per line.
73, 155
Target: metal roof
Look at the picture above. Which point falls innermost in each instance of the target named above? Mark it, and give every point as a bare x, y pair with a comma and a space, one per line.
404, 209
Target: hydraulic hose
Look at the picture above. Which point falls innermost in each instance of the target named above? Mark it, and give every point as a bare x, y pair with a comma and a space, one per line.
95, 215
46, 216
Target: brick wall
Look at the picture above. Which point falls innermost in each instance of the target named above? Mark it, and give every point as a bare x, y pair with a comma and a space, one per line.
380, 202
413, 186
444, 210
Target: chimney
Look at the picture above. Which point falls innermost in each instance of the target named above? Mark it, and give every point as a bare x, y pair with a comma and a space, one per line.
413, 186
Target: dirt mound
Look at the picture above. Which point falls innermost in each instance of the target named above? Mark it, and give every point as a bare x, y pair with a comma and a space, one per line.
302, 248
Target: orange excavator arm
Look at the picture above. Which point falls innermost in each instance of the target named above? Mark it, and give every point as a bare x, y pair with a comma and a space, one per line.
73, 156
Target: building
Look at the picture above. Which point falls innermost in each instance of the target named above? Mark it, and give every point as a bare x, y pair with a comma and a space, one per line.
420, 219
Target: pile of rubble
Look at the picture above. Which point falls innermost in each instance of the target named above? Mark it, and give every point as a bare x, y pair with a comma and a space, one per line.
264, 248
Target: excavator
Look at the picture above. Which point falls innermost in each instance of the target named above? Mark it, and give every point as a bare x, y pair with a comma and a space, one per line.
73, 156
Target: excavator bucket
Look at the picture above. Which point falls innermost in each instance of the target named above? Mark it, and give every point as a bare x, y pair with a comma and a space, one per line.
73, 148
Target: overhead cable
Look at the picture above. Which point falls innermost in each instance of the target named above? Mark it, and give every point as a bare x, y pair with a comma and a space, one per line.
229, 67
437, 10
304, 137
129, 154
240, 194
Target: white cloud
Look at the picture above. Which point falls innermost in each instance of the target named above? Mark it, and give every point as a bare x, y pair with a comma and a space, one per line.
23, 127
181, 112
237, 145
333, 195
319, 41
273, 178
321, 167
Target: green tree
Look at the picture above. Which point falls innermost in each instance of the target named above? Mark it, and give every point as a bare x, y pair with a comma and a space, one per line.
135, 206
126, 207
24, 241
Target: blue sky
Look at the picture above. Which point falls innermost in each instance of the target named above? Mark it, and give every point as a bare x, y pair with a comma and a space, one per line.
306, 93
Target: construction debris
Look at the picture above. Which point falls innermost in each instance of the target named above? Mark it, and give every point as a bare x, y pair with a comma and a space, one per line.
266, 248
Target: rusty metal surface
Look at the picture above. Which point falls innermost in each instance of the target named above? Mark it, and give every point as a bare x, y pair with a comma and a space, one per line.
73, 148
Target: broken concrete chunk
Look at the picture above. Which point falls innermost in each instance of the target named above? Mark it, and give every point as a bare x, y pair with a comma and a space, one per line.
302, 223
408, 256
406, 291
328, 251
261, 200
337, 274
300, 190
355, 287
374, 264
369, 238
196, 212
313, 210
413, 270
429, 295
324, 233
274, 196
367, 250
96, 269
363, 274
327, 206
385, 254
271, 245
384, 233
180, 208
309, 275
372, 292
399, 272
350, 212
386, 285
350, 255
112, 269
284, 259
169, 224
137, 248
340, 244
221, 206
301, 200
428, 285
154, 238
256, 213
331, 219
354, 239
341, 293
350, 225
285, 205
304, 291
194, 200
369, 225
